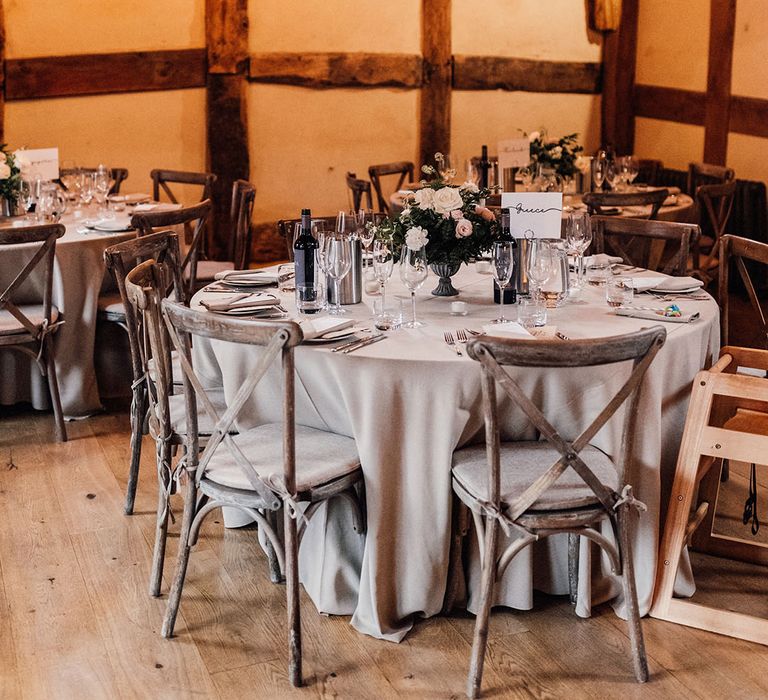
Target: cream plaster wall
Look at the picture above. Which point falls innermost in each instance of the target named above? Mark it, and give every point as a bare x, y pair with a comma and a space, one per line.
750, 50
674, 144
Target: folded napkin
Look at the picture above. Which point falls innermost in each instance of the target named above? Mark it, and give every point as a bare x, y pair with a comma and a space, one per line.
654, 314
156, 206
239, 301
318, 327
510, 329
246, 275
601, 259
666, 283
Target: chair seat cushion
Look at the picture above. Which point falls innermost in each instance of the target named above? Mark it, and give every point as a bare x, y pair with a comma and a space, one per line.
177, 372
522, 463
207, 269
320, 457
34, 312
111, 304
204, 422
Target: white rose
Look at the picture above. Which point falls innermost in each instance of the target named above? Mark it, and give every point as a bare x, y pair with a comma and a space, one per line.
416, 237
5, 170
556, 152
463, 228
470, 186
424, 198
533, 136
582, 164
446, 199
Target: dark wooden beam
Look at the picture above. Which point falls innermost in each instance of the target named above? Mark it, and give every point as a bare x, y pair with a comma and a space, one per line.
2, 72
722, 28
670, 104
226, 30
95, 74
334, 70
501, 73
435, 97
749, 115
619, 56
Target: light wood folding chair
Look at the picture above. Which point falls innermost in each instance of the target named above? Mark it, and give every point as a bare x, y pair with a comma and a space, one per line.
402, 169
273, 466
509, 486
29, 328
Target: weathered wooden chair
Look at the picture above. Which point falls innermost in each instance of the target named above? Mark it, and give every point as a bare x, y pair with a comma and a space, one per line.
29, 328
239, 244
714, 204
195, 217
727, 420
285, 229
272, 466
117, 175
404, 172
597, 201
663, 246
509, 485
359, 189
146, 285
649, 170
119, 259
738, 252
706, 174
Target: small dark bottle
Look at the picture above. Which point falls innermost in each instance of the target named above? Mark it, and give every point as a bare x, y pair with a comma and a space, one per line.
304, 247
484, 166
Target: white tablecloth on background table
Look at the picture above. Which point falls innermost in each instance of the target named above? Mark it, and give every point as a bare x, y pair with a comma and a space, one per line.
78, 274
409, 401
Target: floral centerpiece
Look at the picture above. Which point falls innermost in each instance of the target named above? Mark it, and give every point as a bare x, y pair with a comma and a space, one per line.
562, 155
448, 220
10, 181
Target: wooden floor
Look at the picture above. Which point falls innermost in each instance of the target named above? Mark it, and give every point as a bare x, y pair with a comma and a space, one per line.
76, 621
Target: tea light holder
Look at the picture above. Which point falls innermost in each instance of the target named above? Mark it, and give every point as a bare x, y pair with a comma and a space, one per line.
459, 308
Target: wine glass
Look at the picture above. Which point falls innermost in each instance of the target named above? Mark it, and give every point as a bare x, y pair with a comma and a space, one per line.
526, 177
632, 168
599, 166
578, 236
443, 160
540, 265
413, 272
68, 175
502, 264
338, 255
366, 228
613, 174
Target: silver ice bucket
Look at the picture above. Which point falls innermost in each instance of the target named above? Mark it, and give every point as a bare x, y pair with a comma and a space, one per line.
351, 286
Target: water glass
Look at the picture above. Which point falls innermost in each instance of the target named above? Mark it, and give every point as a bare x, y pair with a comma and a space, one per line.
531, 312
619, 291
286, 277
598, 274
387, 313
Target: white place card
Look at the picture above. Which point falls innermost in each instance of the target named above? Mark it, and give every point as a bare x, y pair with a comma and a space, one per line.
514, 153
537, 212
39, 162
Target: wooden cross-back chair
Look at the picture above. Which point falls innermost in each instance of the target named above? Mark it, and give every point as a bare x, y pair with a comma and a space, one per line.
119, 259
596, 201
739, 252
146, 287
649, 170
509, 485
117, 175
664, 246
29, 328
273, 466
285, 228
707, 174
402, 169
714, 203
358, 189
196, 217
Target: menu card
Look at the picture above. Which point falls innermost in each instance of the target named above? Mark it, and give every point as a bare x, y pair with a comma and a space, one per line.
38, 162
514, 153
536, 214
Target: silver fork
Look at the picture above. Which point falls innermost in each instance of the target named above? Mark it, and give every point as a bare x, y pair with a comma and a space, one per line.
461, 336
448, 337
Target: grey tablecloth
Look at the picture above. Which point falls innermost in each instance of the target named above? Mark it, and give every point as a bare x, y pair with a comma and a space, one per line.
409, 401
78, 275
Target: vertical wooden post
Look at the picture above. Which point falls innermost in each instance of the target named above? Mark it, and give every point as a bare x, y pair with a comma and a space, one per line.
619, 58
722, 27
226, 29
435, 97
2, 72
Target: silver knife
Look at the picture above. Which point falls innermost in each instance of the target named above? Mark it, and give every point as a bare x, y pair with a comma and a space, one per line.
350, 343
365, 343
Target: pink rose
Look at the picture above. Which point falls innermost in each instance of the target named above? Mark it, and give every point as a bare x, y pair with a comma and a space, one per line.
485, 213
463, 228
456, 214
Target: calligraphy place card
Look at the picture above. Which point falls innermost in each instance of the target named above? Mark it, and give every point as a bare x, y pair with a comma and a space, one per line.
39, 162
514, 153
537, 212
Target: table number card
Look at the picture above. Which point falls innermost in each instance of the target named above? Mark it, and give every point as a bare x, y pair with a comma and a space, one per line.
514, 153
538, 212
39, 162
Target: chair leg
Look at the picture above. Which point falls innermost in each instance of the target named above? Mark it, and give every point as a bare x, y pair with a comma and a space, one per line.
630, 596
573, 566
53, 388
174, 597
161, 524
480, 639
138, 409
292, 593
275, 574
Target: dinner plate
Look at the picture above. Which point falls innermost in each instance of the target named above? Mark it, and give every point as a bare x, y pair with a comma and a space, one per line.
253, 281
255, 311
671, 292
332, 336
112, 225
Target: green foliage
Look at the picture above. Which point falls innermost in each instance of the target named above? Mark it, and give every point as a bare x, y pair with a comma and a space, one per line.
10, 185
559, 154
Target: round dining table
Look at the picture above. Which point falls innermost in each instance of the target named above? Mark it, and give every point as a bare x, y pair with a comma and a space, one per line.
78, 277
410, 400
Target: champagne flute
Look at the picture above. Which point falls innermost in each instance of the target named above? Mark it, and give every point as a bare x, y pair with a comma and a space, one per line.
27, 199
502, 264
101, 186
339, 262
413, 272
613, 175
599, 166
86, 187
366, 229
383, 262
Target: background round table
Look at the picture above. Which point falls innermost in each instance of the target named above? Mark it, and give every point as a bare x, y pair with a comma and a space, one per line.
409, 401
